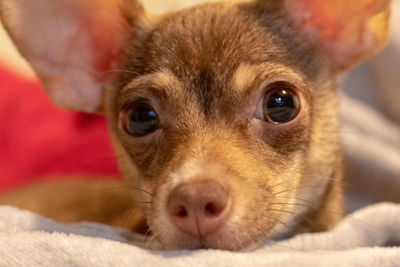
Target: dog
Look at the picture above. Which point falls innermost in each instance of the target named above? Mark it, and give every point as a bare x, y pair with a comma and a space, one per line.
223, 116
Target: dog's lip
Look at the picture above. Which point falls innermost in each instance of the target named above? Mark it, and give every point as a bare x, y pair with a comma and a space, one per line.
227, 246
213, 241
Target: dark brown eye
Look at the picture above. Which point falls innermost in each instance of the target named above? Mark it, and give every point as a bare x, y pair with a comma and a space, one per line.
141, 120
280, 105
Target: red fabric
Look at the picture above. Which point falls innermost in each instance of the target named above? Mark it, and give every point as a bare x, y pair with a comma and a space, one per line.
39, 140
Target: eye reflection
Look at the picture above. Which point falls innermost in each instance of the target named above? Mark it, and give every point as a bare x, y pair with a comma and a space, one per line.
141, 120
280, 105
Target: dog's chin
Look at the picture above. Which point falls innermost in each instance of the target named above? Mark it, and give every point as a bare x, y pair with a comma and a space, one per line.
206, 243
220, 240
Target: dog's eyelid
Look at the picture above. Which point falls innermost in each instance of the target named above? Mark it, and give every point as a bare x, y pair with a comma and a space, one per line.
297, 86
135, 102
144, 92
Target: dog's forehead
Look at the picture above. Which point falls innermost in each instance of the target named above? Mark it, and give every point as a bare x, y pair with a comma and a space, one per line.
210, 38
203, 47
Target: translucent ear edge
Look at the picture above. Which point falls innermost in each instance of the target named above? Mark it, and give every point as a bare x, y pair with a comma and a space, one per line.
345, 50
70, 89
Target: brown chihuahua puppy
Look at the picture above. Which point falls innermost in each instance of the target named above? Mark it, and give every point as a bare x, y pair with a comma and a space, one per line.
225, 115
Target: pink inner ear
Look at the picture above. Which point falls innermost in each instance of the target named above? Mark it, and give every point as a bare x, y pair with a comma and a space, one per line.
71, 44
87, 59
99, 43
108, 38
341, 25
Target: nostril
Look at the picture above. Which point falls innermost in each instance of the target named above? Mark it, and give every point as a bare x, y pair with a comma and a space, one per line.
182, 212
211, 209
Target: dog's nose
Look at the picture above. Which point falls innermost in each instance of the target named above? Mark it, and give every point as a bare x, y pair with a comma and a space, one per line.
199, 207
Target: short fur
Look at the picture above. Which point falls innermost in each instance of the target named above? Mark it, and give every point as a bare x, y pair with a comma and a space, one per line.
204, 70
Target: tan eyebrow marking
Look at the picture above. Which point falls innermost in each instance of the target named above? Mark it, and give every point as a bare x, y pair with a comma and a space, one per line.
165, 79
163, 82
246, 76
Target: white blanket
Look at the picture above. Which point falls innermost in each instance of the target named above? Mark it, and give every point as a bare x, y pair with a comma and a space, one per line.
371, 146
362, 239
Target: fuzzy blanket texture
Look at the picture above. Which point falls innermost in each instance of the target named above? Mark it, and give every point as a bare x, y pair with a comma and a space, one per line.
368, 237
365, 238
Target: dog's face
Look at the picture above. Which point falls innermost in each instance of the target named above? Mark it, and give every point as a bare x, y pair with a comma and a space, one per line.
202, 108
223, 114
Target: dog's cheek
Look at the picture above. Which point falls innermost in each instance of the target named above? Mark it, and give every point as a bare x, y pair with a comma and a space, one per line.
267, 199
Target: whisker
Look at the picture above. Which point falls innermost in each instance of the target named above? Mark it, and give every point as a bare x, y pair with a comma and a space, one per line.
288, 182
294, 214
298, 188
293, 204
119, 70
147, 235
127, 187
288, 227
282, 183
288, 197
278, 243
284, 224
286, 211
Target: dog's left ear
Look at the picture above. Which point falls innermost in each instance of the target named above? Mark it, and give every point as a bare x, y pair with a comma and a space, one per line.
71, 44
350, 30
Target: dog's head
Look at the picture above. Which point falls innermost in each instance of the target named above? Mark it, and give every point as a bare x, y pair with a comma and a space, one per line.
225, 114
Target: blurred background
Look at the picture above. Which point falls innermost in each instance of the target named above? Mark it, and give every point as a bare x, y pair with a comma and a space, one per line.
38, 140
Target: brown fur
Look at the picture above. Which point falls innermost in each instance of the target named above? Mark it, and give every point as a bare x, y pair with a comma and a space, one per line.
204, 126
204, 70
72, 199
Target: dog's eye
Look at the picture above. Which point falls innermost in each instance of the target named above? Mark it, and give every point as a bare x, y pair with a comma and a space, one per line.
141, 120
280, 104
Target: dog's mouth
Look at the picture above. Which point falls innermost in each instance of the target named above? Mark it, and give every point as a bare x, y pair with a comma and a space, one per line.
218, 241
223, 243
223, 239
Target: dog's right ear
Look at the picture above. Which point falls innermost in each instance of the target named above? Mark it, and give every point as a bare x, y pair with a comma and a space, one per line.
351, 31
71, 44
